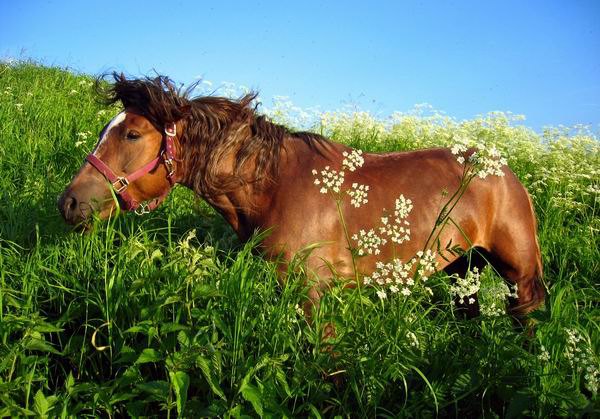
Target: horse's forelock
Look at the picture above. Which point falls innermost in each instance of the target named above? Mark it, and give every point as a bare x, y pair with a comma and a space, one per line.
156, 98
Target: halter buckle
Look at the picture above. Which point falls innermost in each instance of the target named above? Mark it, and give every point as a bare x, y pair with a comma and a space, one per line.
171, 131
120, 184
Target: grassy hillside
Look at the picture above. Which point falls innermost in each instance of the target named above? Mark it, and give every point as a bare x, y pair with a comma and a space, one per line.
168, 314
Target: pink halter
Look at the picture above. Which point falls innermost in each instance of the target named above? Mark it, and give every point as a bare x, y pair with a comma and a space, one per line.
120, 183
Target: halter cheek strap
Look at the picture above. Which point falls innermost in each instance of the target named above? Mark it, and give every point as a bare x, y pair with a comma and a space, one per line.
120, 183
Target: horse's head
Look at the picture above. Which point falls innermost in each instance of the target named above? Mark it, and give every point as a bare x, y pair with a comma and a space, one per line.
134, 160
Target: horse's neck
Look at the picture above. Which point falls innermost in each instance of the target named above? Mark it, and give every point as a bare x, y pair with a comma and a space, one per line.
242, 208
247, 207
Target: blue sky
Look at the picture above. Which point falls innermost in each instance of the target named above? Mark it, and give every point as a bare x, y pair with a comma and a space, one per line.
537, 58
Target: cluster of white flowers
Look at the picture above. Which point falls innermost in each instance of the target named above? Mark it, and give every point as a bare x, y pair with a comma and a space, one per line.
392, 274
486, 161
593, 189
353, 160
544, 355
489, 164
331, 180
398, 230
282, 109
494, 297
368, 242
412, 338
396, 275
493, 309
86, 83
348, 124
82, 136
427, 264
466, 287
358, 194
582, 358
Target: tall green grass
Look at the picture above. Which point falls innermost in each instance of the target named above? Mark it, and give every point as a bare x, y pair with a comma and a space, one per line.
167, 314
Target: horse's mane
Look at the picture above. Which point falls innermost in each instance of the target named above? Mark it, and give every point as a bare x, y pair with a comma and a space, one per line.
216, 128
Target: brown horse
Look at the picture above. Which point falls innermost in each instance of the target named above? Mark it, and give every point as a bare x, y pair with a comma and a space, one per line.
260, 175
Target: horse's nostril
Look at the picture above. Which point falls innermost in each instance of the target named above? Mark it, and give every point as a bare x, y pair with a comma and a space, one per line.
68, 204
71, 203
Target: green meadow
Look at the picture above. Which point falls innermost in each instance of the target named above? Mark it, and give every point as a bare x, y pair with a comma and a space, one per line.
168, 314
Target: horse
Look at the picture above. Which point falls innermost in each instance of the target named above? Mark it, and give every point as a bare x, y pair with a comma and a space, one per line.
263, 176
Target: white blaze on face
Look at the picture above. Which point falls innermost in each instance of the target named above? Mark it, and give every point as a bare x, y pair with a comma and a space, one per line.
115, 121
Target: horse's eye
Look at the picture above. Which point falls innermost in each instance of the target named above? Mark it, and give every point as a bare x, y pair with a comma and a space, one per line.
133, 135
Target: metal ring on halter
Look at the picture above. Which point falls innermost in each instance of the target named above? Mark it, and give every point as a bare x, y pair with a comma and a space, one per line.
171, 133
142, 209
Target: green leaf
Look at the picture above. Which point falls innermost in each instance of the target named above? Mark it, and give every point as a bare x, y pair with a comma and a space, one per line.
207, 371
69, 383
44, 327
206, 291
281, 379
149, 355
172, 327
181, 382
159, 388
36, 342
41, 404
141, 327
254, 396
172, 299
314, 411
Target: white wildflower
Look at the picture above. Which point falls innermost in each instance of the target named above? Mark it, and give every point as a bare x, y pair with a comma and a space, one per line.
544, 355
331, 180
486, 161
494, 297
353, 160
467, 286
581, 356
398, 230
358, 194
368, 242
427, 264
412, 339
399, 277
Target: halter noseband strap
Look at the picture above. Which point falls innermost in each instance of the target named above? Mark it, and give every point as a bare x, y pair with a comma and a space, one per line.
120, 183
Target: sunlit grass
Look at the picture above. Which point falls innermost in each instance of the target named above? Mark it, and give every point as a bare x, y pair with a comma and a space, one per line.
170, 314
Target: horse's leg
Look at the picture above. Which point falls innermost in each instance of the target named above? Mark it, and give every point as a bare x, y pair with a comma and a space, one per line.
516, 256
